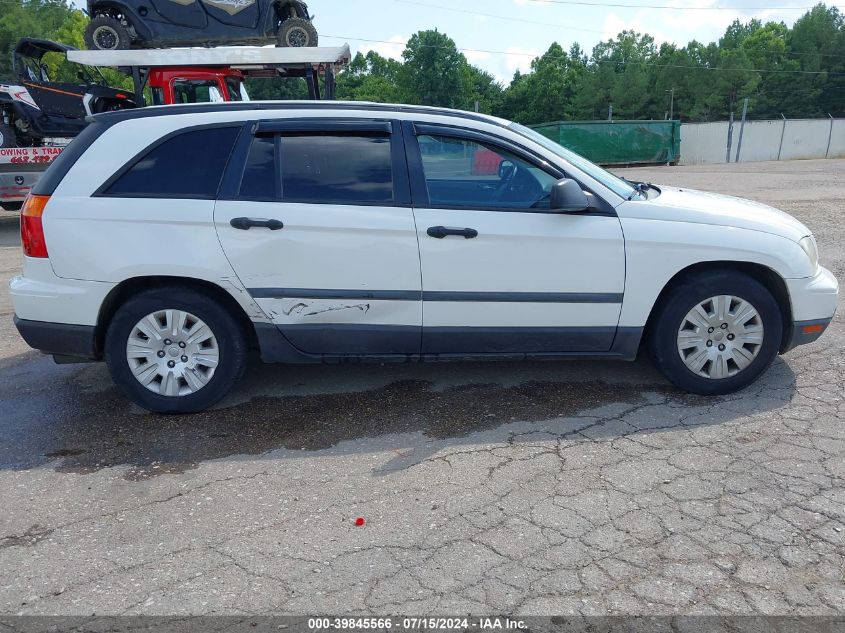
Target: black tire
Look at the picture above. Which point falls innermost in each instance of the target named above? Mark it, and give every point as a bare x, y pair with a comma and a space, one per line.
104, 33
695, 289
7, 136
229, 334
296, 32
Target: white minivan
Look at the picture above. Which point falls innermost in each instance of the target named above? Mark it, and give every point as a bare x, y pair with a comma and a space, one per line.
169, 241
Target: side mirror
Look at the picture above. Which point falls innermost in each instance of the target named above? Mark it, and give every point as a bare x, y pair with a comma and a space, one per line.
568, 197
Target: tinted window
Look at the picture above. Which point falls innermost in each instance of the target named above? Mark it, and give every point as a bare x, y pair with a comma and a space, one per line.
468, 174
259, 179
188, 165
336, 168
157, 95
237, 91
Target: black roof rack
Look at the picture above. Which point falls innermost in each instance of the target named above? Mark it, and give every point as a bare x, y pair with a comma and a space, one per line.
110, 118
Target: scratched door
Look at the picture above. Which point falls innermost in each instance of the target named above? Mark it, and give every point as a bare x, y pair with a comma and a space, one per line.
321, 236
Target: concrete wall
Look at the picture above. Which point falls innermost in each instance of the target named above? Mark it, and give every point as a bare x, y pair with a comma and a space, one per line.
703, 143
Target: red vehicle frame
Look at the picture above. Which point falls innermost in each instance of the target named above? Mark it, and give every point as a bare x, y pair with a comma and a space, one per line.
193, 84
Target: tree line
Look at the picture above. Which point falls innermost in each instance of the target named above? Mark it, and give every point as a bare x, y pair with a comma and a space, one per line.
795, 72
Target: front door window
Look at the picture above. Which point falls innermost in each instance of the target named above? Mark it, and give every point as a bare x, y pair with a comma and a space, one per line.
463, 173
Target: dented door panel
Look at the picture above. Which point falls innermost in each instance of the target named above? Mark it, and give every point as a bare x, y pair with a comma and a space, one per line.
337, 279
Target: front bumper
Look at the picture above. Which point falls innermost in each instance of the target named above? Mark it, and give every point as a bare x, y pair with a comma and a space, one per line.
59, 339
814, 302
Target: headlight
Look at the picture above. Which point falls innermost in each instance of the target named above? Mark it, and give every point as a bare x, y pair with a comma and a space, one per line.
809, 245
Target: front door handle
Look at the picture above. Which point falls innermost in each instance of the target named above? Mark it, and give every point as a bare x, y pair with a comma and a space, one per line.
245, 224
442, 231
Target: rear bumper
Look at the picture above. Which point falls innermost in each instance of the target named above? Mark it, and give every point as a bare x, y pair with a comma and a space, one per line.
38, 295
15, 185
59, 339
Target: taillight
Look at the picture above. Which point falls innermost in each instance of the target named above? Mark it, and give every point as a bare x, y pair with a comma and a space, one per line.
32, 228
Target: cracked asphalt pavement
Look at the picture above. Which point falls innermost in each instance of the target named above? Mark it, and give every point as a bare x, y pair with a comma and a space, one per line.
542, 488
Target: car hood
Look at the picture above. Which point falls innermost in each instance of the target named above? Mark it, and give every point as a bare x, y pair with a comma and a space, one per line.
701, 207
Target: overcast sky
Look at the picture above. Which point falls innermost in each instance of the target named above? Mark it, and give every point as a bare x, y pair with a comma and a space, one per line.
523, 29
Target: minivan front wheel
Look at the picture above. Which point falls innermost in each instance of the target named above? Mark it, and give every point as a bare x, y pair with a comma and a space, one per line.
175, 350
715, 333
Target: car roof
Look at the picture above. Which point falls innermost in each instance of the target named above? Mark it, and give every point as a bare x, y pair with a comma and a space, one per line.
110, 118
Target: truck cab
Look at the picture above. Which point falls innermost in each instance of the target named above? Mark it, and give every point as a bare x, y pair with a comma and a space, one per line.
195, 84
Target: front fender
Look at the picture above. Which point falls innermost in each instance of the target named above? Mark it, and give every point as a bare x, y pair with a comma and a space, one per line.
657, 250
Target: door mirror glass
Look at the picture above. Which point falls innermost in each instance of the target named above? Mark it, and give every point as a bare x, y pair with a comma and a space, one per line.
568, 197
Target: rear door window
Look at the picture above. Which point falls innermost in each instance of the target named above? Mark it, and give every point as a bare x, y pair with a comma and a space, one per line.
320, 168
188, 165
260, 179
342, 168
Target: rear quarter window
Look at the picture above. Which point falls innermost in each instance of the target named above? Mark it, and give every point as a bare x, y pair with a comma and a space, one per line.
187, 165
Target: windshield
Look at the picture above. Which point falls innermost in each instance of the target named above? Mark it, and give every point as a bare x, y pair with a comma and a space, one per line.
614, 183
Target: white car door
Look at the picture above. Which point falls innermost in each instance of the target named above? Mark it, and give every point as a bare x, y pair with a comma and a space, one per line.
319, 228
500, 273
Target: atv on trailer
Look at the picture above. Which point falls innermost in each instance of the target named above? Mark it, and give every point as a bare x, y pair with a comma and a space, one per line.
122, 24
39, 109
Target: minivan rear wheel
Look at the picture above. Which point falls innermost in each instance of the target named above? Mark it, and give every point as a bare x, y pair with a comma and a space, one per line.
174, 350
716, 332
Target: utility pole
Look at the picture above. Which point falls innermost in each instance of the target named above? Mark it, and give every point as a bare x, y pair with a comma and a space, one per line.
730, 137
672, 104
829, 136
741, 128
782, 133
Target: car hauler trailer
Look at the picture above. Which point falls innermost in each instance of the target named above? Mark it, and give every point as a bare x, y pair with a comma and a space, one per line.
171, 73
20, 169
159, 68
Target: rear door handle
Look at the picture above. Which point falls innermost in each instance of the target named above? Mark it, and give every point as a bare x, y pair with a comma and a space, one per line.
442, 231
245, 224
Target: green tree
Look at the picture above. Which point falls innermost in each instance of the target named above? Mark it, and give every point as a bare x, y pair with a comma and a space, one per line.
28, 18
369, 77
434, 72
276, 88
484, 90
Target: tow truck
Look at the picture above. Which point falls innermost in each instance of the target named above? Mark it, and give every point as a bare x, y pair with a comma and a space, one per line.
181, 75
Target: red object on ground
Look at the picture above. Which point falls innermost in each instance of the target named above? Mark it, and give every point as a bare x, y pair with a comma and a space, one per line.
360, 521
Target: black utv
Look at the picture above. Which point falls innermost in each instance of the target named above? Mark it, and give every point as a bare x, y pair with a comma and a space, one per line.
121, 24
34, 108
